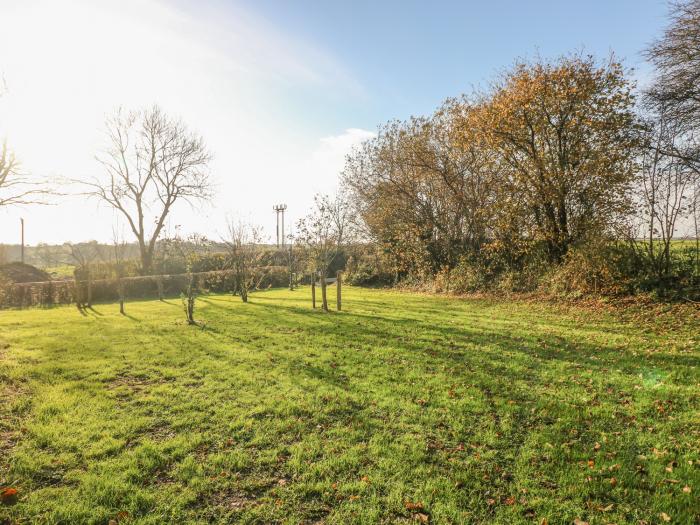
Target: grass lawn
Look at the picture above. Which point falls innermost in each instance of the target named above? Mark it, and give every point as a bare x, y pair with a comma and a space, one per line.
401, 409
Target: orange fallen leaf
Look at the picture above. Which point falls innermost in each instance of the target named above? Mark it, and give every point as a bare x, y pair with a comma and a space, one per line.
423, 518
8, 495
410, 505
580, 522
686, 489
613, 482
510, 500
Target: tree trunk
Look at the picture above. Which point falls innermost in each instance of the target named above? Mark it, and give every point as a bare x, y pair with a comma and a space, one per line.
189, 300
324, 296
120, 290
338, 284
146, 262
146, 253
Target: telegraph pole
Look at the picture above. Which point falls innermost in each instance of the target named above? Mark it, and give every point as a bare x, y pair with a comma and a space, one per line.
279, 208
21, 222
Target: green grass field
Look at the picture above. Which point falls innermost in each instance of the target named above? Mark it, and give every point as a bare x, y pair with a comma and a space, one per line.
403, 408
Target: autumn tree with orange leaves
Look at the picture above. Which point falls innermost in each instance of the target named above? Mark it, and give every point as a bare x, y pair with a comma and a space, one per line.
538, 163
566, 133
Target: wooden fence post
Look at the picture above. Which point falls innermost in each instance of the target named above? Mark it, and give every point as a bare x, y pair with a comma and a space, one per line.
338, 285
313, 291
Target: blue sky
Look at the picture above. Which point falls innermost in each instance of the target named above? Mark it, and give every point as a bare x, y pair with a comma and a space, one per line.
410, 55
280, 90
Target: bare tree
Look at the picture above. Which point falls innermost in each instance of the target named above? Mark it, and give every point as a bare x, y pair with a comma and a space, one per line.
189, 249
665, 190
84, 256
243, 244
322, 233
152, 162
16, 188
676, 90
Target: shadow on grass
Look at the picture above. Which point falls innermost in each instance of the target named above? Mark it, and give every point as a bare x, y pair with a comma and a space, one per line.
457, 343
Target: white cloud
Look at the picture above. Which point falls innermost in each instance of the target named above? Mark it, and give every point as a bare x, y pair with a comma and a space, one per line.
329, 157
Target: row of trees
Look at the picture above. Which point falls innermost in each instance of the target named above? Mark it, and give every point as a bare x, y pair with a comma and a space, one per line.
545, 156
555, 160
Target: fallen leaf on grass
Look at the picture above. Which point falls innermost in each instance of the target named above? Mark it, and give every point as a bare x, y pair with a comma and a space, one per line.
509, 500
423, 518
580, 522
410, 505
613, 482
8, 495
665, 516
686, 489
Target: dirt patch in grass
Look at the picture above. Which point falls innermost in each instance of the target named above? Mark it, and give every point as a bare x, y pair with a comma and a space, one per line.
135, 382
160, 431
229, 500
